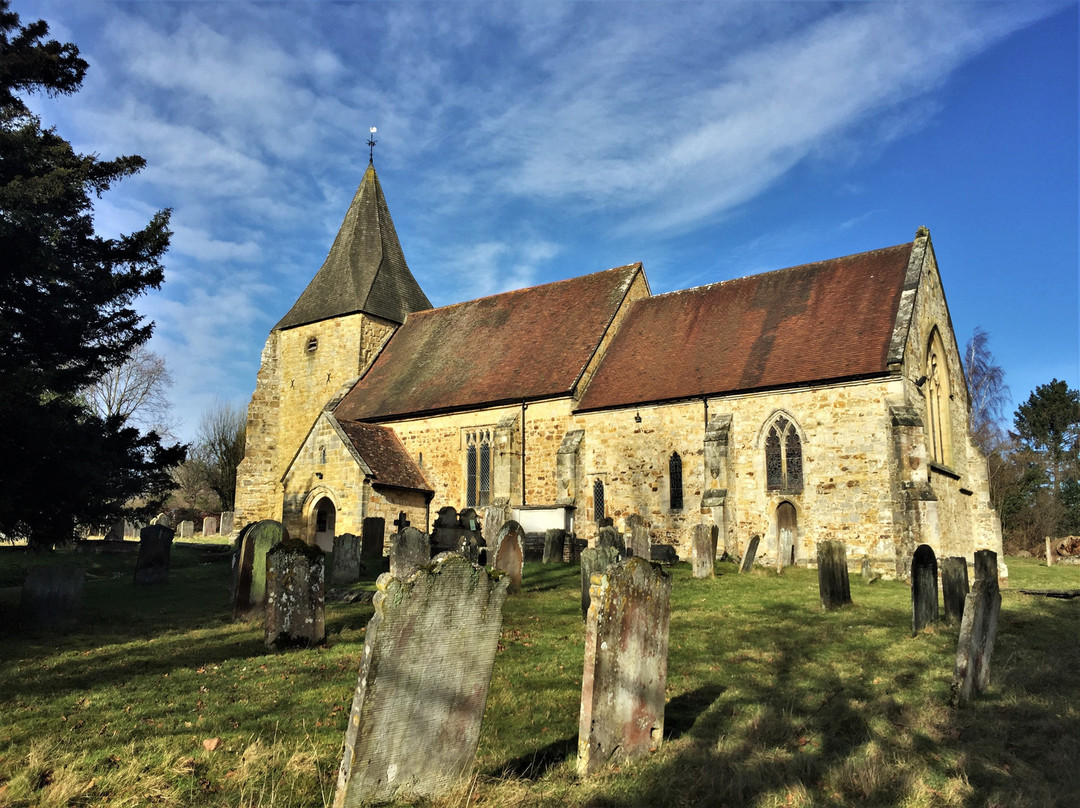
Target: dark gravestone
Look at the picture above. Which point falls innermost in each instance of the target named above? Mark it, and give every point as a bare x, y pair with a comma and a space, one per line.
155, 552
295, 594
373, 533
116, 531
924, 588
52, 595
703, 553
663, 554
750, 555
447, 517
610, 537
346, 569
626, 646
594, 560
978, 631
554, 545
986, 565
468, 520
954, 587
255, 542
606, 521
409, 550
509, 554
833, 582
424, 677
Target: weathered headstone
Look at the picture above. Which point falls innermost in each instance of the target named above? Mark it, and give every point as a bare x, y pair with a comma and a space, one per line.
954, 587
447, 517
116, 531
468, 520
638, 531
663, 554
186, 529
986, 565
52, 595
161, 519
473, 547
209, 526
155, 552
295, 594
372, 535
626, 646
750, 554
924, 588
702, 553
346, 564
509, 553
833, 582
255, 542
423, 684
409, 550
594, 560
608, 536
978, 631
495, 516
554, 545
225, 526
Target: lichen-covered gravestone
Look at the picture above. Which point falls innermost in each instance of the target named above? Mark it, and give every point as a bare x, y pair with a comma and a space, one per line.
954, 587
155, 552
833, 584
924, 588
409, 550
256, 539
372, 535
639, 535
423, 685
608, 536
52, 595
509, 553
594, 560
295, 594
626, 646
703, 552
554, 545
346, 563
978, 630
750, 554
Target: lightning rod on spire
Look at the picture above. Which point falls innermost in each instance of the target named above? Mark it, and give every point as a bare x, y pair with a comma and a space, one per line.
371, 146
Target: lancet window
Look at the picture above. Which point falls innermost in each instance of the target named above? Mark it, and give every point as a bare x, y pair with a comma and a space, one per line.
598, 500
478, 449
675, 492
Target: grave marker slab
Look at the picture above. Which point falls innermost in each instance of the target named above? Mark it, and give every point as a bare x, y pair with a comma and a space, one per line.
346, 559
186, 529
554, 545
954, 587
155, 552
703, 554
663, 554
751, 553
409, 550
295, 594
594, 560
608, 536
509, 553
833, 584
209, 526
424, 677
924, 588
255, 542
978, 631
52, 594
986, 565
225, 526
626, 646
639, 536
373, 534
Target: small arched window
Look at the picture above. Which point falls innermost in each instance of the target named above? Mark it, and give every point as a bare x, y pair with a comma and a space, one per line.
598, 500
783, 456
675, 498
312, 345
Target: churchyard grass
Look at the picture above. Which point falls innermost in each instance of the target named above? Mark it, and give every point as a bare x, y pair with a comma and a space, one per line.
772, 701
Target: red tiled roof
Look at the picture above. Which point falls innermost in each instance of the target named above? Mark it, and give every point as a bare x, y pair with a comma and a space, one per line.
385, 456
824, 321
523, 345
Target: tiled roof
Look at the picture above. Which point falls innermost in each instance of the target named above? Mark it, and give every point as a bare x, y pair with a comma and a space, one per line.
385, 456
365, 270
817, 322
522, 345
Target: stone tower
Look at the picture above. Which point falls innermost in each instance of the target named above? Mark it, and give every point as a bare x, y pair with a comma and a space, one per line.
362, 293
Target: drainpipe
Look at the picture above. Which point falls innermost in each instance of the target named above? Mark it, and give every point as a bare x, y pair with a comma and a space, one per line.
524, 407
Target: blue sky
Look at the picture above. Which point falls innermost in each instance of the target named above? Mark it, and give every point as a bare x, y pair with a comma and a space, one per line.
524, 143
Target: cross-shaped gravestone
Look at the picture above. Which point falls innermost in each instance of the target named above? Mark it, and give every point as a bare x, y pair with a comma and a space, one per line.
401, 522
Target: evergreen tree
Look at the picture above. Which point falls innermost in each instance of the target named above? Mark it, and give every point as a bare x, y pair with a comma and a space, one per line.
66, 311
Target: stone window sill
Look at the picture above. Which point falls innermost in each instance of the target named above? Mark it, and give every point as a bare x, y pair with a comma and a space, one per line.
944, 471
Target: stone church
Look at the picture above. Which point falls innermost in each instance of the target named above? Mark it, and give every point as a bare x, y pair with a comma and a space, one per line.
823, 401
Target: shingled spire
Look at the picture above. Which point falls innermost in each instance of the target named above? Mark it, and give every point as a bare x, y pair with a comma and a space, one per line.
365, 270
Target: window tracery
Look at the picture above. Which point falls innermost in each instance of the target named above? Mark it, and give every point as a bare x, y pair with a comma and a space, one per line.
783, 456
478, 448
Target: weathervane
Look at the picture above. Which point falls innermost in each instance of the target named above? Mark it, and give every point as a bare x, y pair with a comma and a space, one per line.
371, 146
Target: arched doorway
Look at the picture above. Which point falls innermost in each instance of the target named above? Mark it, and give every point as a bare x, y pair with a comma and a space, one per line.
324, 516
787, 531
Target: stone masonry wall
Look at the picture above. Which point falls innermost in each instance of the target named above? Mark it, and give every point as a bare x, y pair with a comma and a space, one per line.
342, 481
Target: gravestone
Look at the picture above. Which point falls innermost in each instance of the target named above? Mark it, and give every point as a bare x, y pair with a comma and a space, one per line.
225, 526
373, 533
161, 519
866, 568
663, 554
209, 526
52, 595
703, 552
468, 520
186, 529
924, 588
155, 552
295, 594
448, 535
117, 531
594, 560
496, 515
978, 631
509, 553
954, 587
409, 550
606, 521
346, 563
255, 542
554, 546
608, 536
833, 585
447, 517
638, 531
626, 646
424, 676
750, 555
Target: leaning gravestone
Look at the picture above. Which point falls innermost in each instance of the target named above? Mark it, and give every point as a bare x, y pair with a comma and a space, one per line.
372, 534
978, 630
186, 529
346, 563
833, 582
255, 542
751, 553
509, 553
954, 587
924, 588
295, 594
594, 560
155, 552
639, 535
409, 550
554, 545
703, 552
626, 646
608, 536
209, 526
225, 526
424, 677
52, 595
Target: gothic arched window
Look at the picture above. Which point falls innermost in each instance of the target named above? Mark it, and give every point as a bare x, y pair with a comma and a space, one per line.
675, 481
937, 399
783, 456
598, 500
478, 468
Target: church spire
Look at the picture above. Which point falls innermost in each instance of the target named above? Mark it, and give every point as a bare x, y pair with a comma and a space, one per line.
365, 270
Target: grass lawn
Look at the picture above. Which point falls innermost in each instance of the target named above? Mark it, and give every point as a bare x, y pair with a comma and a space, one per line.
157, 698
